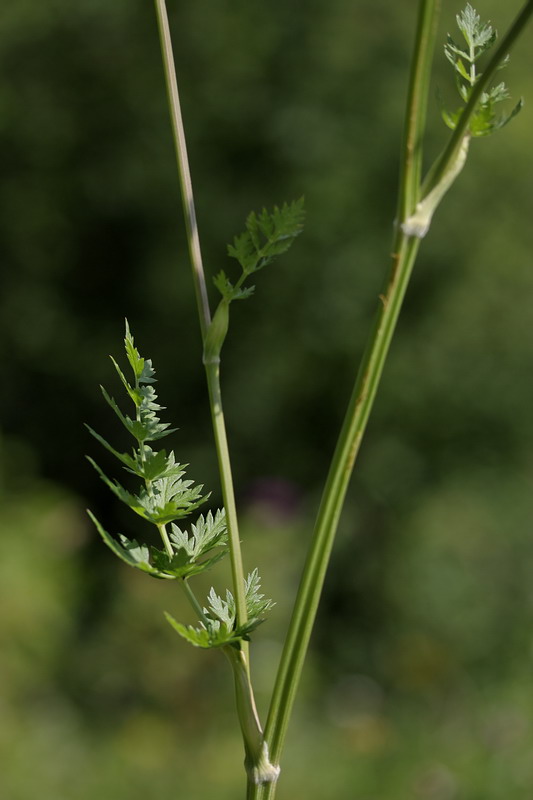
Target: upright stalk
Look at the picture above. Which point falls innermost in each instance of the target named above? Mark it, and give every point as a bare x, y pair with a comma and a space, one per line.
178, 131
404, 253
258, 766
219, 427
212, 371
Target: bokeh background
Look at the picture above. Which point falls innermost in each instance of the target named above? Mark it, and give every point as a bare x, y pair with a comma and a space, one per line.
419, 682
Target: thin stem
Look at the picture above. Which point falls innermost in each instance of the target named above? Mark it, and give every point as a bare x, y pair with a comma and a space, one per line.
166, 541
259, 769
449, 155
415, 118
212, 372
340, 472
360, 405
180, 143
228, 494
193, 600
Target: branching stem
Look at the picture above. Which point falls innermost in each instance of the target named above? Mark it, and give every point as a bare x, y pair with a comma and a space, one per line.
262, 783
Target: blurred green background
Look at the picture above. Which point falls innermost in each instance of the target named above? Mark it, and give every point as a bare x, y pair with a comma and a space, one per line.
419, 682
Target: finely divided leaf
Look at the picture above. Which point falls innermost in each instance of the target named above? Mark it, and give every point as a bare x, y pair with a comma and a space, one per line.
208, 532
199, 637
218, 626
256, 603
126, 459
129, 551
267, 235
479, 37
137, 363
122, 493
228, 291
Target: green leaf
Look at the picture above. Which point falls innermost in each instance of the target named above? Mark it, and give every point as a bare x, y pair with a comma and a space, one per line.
132, 354
142, 368
182, 565
133, 393
452, 51
451, 117
169, 499
256, 603
126, 421
503, 120
153, 465
223, 610
267, 235
460, 67
476, 34
148, 428
129, 551
217, 635
228, 291
218, 626
208, 532
126, 497
245, 250
199, 637
150, 464
479, 37
126, 459
150, 423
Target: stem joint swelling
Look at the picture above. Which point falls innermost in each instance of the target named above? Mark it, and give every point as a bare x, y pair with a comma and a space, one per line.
259, 768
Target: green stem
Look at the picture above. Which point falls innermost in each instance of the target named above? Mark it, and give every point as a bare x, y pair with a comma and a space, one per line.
415, 118
361, 401
258, 767
219, 427
212, 370
180, 144
166, 541
191, 597
349, 441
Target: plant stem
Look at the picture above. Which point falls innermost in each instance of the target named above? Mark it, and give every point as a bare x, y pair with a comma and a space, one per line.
259, 769
180, 143
193, 600
361, 401
416, 104
349, 441
212, 370
217, 415
166, 541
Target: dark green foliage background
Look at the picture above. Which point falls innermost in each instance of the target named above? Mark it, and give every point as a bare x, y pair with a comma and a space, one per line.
421, 662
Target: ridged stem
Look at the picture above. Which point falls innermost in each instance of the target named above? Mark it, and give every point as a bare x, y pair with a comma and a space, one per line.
204, 314
404, 253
